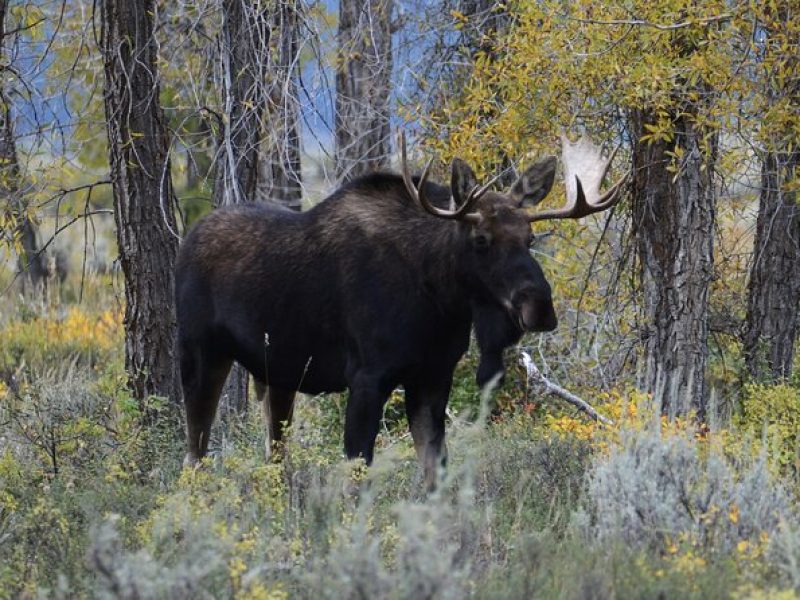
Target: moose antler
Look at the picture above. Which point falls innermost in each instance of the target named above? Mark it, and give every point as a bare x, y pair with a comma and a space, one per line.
584, 170
417, 192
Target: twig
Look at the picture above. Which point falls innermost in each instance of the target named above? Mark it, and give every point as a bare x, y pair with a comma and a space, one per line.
534, 374
659, 26
78, 188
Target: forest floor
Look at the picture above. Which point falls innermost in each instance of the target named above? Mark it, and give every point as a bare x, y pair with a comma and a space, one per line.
537, 500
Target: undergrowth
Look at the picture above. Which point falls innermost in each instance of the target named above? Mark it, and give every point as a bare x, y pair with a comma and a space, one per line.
536, 501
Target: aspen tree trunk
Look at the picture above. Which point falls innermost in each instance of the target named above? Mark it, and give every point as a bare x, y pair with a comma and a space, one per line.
32, 263
244, 60
259, 153
143, 194
280, 179
363, 85
773, 295
674, 224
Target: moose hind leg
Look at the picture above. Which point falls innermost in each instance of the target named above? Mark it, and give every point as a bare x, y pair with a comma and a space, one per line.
425, 409
278, 405
203, 375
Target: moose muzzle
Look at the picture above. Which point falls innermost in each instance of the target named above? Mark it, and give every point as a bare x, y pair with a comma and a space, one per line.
534, 310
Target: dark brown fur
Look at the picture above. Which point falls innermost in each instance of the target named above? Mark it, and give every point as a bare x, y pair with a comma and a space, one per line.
365, 292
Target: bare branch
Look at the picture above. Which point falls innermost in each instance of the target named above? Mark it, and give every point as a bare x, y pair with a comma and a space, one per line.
534, 374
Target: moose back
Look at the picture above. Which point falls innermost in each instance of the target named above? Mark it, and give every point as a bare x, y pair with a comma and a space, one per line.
376, 287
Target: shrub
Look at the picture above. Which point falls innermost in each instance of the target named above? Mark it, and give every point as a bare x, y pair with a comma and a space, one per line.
525, 475
70, 452
75, 335
785, 552
125, 575
666, 495
774, 413
58, 421
93, 503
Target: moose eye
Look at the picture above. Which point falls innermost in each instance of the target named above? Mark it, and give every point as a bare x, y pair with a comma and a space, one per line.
481, 242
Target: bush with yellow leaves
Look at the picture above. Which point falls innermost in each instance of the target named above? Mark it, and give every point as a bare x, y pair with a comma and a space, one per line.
44, 341
630, 410
772, 413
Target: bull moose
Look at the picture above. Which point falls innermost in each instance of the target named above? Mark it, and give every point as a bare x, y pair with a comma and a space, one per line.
376, 287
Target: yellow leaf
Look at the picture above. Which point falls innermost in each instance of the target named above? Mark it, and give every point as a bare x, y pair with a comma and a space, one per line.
733, 514
672, 548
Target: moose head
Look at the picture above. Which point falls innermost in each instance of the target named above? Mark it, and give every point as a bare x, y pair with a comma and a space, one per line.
510, 292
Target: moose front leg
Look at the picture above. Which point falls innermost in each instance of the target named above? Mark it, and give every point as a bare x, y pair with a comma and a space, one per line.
368, 394
494, 332
425, 409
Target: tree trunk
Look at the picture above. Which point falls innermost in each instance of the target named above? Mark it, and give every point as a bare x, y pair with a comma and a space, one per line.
773, 298
674, 224
259, 58
363, 82
199, 154
245, 58
279, 178
32, 262
143, 196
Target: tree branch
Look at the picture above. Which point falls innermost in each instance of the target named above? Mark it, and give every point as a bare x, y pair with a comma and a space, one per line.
660, 27
534, 374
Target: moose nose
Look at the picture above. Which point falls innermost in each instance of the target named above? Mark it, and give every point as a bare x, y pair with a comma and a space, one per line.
534, 308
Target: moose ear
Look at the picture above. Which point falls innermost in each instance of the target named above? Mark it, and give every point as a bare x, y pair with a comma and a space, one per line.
535, 183
462, 181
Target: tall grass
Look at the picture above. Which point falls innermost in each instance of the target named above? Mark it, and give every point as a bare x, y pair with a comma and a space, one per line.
535, 502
